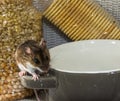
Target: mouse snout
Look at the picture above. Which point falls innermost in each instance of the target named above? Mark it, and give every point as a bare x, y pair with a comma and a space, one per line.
45, 69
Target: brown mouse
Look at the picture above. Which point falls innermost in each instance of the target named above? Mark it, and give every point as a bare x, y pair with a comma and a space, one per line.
32, 56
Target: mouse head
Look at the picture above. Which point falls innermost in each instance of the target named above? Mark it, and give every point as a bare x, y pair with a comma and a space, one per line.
37, 54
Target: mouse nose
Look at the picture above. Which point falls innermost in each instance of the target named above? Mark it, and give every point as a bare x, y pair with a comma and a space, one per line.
46, 71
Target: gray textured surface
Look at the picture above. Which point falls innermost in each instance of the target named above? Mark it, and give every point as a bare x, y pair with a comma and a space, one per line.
112, 6
53, 35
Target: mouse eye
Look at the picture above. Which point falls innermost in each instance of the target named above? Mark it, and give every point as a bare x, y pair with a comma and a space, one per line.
36, 61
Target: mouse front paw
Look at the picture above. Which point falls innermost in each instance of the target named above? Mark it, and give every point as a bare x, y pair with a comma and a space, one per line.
22, 73
35, 77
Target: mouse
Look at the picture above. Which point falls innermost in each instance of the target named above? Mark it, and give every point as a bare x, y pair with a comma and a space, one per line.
33, 57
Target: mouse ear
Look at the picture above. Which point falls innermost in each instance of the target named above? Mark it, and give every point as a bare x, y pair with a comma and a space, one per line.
43, 43
28, 50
